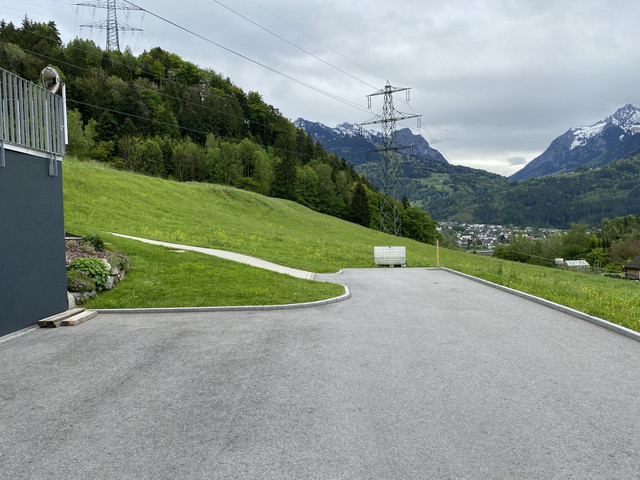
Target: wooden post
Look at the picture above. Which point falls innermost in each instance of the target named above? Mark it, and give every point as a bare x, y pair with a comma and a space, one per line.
438, 253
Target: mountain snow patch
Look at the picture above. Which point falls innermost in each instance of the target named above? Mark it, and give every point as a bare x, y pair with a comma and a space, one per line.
627, 118
582, 135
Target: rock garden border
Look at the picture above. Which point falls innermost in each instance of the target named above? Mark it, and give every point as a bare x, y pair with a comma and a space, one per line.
92, 246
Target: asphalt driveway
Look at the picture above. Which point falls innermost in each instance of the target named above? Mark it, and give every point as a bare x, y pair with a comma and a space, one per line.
421, 374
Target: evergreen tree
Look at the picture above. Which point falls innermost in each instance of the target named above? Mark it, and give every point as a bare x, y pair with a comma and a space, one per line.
287, 165
107, 127
359, 209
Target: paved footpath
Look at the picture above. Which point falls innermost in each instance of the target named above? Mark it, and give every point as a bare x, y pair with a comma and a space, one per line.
421, 374
235, 257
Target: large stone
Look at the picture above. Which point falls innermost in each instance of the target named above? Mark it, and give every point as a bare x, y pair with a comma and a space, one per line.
81, 297
71, 300
106, 264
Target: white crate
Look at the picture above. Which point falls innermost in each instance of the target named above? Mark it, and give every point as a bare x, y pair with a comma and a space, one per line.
391, 256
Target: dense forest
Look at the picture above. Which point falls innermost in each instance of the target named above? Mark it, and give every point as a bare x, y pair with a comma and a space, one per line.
161, 115
456, 193
447, 192
586, 196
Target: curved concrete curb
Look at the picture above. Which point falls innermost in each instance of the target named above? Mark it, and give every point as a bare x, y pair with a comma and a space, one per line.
289, 306
562, 308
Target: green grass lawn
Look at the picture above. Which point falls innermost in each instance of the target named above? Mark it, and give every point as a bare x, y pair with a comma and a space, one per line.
99, 199
162, 277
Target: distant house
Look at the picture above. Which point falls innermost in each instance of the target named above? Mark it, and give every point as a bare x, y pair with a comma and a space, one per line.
632, 269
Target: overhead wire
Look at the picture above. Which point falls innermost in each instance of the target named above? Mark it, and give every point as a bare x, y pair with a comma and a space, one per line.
181, 127
71, 100
328, 47
421, 126
292, 44
199, 105
285, 75
347, 102
249, 59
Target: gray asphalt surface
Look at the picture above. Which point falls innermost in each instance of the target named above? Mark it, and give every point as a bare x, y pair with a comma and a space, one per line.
421, 374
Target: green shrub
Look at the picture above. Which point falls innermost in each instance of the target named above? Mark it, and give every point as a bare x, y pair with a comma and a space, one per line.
78, 281
94, 268
86, 247
120, 261
96, 242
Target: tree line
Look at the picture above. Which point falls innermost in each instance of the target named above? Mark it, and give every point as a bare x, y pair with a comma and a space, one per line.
160, 115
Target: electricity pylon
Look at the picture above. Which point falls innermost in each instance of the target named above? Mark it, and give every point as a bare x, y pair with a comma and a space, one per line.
390, 220
111, 24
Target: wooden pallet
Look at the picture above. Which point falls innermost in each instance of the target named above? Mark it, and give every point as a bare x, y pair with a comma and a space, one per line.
72, 317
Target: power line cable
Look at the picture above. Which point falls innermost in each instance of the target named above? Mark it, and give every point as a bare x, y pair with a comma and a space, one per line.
165, 79
199, 105
318, 41
181, 127
421, 126
292, 44
139, 117
249, 59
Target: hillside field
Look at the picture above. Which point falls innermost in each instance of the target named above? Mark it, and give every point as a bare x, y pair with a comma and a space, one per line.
99, 199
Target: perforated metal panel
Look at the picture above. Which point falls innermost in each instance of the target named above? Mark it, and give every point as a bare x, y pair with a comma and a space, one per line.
390, 256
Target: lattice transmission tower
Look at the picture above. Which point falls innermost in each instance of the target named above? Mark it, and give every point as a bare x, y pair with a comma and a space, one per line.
111, 24
390, 219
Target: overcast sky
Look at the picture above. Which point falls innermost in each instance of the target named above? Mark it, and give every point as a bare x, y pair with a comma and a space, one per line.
496, 80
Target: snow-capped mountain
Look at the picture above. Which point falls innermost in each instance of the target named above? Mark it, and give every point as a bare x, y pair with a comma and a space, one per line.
348, 142
615, 137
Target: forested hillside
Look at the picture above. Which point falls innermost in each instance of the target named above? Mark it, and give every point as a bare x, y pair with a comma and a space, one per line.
583, 197
456, 193
448, 192
164, 116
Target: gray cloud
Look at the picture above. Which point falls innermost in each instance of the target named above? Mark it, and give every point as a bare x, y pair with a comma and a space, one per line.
495, 79
516, 161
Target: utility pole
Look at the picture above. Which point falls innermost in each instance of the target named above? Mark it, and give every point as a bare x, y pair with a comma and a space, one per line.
390, 220
111, 23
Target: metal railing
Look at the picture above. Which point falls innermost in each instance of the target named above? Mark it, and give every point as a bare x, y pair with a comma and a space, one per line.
30, 116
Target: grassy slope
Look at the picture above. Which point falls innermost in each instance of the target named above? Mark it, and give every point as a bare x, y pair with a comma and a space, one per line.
98, 199
106, 200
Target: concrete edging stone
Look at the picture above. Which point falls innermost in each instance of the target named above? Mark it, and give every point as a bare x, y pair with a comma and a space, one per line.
233, 308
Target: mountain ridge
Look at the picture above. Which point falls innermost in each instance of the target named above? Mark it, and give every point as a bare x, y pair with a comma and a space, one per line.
590, 146
452, 192
355, 144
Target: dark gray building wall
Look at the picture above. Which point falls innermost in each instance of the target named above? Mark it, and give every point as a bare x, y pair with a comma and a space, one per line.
32, 252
